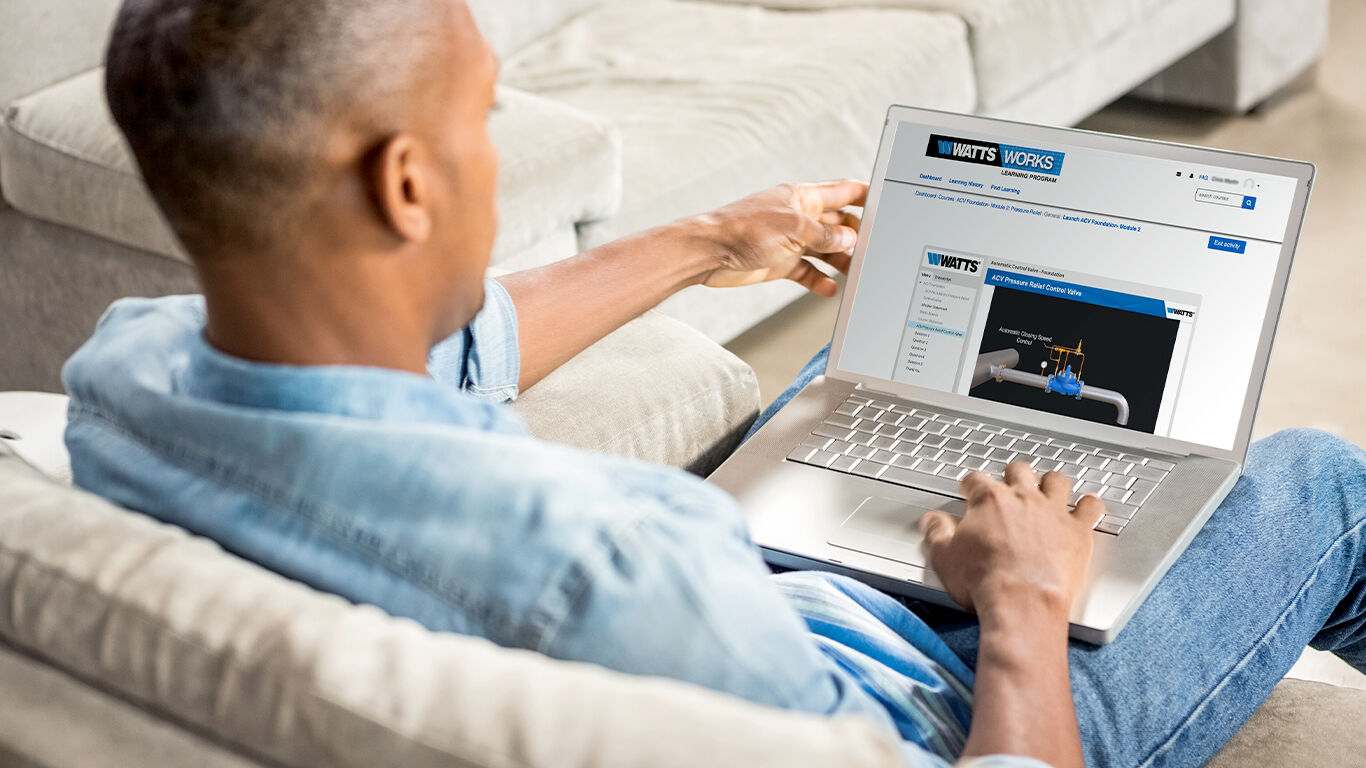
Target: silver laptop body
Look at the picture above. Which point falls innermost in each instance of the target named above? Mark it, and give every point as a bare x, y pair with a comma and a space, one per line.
1099, 305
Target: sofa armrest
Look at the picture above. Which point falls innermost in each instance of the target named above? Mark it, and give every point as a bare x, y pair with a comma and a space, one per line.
292, 677
655, 390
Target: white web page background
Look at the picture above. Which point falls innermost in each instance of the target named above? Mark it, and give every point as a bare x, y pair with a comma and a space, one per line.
1171, 256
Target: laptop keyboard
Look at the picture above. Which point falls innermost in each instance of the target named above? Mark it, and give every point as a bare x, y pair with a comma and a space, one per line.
921, 448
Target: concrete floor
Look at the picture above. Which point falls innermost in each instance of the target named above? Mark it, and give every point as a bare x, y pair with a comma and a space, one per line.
1317, 372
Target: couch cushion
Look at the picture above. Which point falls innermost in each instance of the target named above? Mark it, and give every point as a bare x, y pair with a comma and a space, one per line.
1303, 724
1015, 43
65, 723
44, 42
305, 679
558, 166
511, 24
716, 101
681, 400
63, 160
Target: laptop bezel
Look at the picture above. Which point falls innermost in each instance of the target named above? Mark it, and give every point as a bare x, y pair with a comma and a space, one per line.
1025, 133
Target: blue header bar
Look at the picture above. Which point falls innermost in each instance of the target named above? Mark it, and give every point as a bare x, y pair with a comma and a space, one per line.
1217, 243
1083, 293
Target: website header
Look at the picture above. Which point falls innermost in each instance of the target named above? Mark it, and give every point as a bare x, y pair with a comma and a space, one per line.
1219, 201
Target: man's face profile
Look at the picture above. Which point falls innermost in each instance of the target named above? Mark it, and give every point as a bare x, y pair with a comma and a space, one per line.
454, 149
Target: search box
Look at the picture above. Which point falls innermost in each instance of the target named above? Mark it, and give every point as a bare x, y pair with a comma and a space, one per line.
1231, 199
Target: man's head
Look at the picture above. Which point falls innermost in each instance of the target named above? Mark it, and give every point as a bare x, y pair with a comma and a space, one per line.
327, 137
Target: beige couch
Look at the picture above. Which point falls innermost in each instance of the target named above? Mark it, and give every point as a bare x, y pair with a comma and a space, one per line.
126, 642
620, 114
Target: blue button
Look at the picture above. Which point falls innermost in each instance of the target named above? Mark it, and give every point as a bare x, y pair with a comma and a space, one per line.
1249, 203
1218, 243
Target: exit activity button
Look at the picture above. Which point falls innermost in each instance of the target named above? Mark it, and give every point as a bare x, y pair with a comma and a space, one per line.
1229, 244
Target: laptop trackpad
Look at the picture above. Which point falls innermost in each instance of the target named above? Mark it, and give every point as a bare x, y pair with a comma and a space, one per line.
888, 529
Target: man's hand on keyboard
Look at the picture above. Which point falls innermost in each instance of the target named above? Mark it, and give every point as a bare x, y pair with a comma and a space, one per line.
1018, 541
1018, 558
774, 235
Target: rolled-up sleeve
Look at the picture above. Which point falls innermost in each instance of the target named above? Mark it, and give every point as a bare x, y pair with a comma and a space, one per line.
483, 359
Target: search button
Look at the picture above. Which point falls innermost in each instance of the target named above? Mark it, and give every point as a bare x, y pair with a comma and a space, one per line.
1249, 203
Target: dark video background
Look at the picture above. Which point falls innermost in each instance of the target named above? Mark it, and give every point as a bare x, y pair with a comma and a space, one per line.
1125, 351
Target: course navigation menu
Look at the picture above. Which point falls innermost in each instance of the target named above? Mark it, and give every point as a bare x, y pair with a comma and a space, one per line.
942, 308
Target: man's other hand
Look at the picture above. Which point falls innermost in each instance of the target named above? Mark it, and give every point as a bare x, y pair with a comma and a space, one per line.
773, 235
1017, 543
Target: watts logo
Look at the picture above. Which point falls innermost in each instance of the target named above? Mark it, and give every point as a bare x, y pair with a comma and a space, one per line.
999, 155
944, 261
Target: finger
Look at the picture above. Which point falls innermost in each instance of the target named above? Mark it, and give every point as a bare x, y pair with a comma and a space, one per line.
838, 194
938, 529
812, 279
826, 238
1021, 475
840, 261
1090, 509
1056, 486
845, 218
976, 485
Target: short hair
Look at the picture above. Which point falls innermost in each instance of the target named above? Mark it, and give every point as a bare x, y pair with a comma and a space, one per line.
228, 105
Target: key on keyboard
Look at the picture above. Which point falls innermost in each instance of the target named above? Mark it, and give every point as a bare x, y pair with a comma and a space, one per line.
920, 448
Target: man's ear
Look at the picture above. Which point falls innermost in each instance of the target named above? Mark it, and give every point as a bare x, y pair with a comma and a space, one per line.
400, 186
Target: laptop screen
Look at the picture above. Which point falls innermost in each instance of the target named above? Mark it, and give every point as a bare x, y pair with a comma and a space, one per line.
1108, 287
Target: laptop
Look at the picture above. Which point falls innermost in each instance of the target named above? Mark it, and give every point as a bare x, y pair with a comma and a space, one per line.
1097, 305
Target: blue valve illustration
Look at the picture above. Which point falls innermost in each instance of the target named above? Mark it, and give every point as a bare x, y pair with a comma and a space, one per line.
1063, 380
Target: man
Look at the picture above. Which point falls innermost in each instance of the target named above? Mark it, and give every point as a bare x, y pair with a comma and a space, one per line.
332, 408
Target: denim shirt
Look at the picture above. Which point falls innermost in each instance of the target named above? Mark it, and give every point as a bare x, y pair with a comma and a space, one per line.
427, 497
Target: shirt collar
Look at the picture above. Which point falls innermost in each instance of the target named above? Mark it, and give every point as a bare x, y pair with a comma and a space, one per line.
378, 394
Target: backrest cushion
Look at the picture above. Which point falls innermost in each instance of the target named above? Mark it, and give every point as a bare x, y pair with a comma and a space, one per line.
44, 41
285, 673
510, 24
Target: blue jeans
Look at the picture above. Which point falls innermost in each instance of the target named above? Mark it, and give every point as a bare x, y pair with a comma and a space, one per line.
1280, 565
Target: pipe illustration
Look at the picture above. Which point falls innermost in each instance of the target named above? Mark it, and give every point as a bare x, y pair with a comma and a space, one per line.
1005, 358
1000, 365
